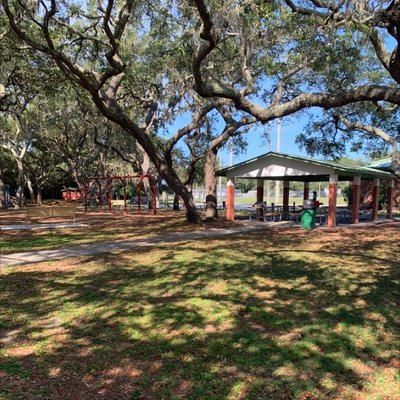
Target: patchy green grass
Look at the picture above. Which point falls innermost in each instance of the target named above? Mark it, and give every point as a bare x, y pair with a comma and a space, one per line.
101, 227
275, 315
42, 240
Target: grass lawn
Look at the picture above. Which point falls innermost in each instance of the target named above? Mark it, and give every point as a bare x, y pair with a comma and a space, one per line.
278, 314
101, 227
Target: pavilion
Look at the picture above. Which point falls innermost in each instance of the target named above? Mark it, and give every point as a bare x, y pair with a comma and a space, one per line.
287, 168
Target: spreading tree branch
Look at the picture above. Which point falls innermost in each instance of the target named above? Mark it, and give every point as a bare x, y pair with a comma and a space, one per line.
359, 126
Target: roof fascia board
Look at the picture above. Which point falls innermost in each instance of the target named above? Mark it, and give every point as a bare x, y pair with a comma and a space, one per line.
257, 167
275, 166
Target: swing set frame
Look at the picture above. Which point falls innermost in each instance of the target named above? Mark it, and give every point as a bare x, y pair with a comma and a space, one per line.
124, 180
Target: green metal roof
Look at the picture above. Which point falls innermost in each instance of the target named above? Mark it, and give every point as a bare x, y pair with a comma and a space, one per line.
346, 171
384, 164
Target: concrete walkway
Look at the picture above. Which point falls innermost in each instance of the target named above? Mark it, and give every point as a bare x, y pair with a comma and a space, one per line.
33, 227
30, 257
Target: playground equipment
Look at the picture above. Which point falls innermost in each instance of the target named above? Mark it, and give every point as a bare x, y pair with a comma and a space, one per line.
97, 185
71, 194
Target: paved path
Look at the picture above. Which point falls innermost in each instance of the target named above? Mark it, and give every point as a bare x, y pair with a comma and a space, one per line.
105, 247
32, 227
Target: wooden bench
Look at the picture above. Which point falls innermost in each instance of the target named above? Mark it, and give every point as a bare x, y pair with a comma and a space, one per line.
50, 212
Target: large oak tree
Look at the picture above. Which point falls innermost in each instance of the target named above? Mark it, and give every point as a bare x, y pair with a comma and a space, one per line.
139, 60
107, 50
322, 58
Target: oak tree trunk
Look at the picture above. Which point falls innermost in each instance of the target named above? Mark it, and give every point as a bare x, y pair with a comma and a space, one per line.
146, 169
30, 188
210, 182
103, 162
2, 189
20, 197
77, 178
192, 214
396, 161
39, 197
175, 204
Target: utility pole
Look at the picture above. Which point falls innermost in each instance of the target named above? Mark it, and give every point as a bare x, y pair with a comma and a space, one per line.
278, 149
278, 135
220, 178
269, 145
231, 152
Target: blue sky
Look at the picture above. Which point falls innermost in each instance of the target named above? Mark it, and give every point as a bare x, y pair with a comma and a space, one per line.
257, 144
291, 126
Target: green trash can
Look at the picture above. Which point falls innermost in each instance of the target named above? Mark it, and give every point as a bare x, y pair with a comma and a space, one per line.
308, 214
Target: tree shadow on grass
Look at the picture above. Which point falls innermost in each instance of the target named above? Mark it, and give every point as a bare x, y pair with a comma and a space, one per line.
219, 321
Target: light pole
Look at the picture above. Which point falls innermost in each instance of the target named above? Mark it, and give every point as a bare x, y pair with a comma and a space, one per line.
231, 152
278, 149
269, 149
220, 179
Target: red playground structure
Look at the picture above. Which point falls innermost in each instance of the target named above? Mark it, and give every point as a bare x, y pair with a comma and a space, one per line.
107, 181
71, 194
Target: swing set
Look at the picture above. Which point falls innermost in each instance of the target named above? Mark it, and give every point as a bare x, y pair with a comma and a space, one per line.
107, 182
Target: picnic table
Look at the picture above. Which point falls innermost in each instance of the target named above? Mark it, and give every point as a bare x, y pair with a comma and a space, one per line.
293, 213
277, 213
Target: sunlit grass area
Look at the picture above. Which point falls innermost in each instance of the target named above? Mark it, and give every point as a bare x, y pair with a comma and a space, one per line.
281, 314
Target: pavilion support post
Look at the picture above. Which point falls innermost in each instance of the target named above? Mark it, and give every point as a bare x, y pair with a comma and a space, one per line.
333, 179
356, 200
375, 200
306, 192
260, 190
230, 200
286, 198
390, 193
